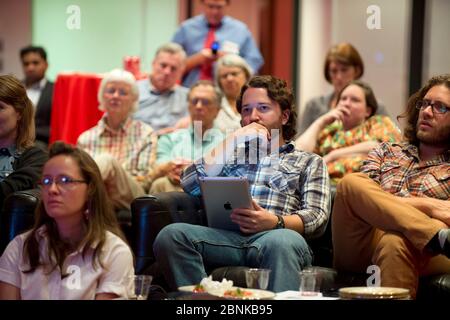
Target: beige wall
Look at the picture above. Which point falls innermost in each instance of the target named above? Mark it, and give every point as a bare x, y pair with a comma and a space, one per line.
437, 30
315, 39
15, 33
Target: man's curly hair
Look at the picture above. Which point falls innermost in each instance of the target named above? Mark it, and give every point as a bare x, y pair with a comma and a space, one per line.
412, 113
278, 91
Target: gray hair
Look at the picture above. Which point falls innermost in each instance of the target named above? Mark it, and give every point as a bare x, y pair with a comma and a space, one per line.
232, 60
217, 91
172, 48
119, 75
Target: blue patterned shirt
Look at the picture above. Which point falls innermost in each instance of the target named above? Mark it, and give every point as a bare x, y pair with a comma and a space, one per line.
293, 182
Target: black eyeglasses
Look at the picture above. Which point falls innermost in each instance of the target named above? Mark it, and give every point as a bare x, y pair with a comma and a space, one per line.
437, 106
61, 181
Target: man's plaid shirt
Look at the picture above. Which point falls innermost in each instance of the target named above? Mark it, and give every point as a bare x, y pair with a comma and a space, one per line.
293, 182
398, 170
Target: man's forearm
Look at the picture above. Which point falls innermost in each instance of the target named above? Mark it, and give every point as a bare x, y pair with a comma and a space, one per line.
435, 208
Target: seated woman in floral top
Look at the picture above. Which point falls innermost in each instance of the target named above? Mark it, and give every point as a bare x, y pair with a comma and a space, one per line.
344, 135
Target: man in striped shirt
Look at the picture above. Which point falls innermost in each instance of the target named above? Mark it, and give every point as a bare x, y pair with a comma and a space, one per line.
290, 191
396, 214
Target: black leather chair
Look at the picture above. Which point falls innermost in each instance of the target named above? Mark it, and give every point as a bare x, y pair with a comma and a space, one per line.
17, 216
151, 213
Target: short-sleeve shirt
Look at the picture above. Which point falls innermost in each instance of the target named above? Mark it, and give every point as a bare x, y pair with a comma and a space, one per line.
184, 144
82, 282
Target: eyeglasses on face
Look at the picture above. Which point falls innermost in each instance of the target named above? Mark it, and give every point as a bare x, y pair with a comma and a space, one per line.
62, 181
261, 108
436, 106
203, 101
122, 92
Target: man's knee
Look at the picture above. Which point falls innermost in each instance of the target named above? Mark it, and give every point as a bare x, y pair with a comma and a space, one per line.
289, 243
107, 164
166, 238
351, 183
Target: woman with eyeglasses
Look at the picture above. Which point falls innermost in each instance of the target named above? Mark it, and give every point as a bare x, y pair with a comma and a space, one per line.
232, 72
345, 135
75, 249
20, 160
121, 146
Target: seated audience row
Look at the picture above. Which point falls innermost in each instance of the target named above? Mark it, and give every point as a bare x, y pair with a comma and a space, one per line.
385, 214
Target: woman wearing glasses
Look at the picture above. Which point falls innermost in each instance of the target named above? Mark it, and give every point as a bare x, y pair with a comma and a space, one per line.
345, 135
121, 146
232, 72
20, 161
75, 249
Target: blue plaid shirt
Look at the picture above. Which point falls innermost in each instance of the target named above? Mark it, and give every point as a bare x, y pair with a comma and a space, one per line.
292, 182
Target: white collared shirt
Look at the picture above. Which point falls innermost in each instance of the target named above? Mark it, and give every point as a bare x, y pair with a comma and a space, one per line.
34, 92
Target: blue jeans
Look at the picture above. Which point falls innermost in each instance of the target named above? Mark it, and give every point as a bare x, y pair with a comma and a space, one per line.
182, 251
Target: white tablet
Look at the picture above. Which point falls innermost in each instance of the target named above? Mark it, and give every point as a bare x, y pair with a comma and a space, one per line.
220, 196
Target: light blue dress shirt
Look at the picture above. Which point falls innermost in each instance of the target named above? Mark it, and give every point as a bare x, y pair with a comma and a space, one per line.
161, 110
182, 144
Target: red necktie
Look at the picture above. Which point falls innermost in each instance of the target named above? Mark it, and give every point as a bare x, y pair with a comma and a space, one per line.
206, 69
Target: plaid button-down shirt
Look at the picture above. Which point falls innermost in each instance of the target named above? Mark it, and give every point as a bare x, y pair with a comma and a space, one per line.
131, 145
296, 182
397, 168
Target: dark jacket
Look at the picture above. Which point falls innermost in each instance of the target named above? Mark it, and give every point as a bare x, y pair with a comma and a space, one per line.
27, 171
43, 113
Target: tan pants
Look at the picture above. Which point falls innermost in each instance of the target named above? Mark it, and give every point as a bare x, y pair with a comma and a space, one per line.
122, 188
163, 184
370, 226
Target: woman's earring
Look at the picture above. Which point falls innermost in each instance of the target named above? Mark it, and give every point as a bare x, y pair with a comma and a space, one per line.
86, 214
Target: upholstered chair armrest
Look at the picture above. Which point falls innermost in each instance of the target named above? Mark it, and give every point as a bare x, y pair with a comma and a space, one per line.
152, 213
17, 214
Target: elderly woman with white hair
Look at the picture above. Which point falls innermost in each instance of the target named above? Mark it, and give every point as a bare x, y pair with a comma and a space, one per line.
232, 72
120, 145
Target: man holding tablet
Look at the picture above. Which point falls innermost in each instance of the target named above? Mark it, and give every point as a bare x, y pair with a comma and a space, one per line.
289, 189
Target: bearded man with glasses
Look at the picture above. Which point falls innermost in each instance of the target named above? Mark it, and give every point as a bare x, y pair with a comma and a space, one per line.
396, 213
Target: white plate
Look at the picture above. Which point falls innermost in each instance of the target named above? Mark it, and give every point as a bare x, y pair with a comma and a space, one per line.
257, 294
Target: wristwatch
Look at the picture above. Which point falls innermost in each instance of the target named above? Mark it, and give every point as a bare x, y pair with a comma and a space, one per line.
280, 223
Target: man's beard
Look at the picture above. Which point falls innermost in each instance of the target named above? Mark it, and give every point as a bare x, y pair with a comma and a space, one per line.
438, 137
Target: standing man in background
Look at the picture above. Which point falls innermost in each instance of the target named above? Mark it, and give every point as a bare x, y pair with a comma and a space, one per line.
39, 88
208, 36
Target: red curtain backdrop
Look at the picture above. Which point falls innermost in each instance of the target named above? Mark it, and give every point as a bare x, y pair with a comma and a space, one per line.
75, 106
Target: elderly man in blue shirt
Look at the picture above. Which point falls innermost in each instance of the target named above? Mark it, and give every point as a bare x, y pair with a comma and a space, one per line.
178, 149
208, 36
289, 187
162, 102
